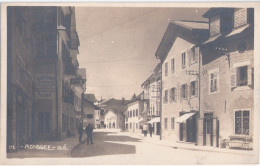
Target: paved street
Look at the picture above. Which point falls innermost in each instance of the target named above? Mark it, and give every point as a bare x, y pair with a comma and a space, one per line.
122, 148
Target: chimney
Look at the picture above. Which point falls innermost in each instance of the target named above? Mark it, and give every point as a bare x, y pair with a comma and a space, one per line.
123, 101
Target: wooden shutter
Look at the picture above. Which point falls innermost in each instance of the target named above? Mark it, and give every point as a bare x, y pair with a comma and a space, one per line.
249, 75
233, 78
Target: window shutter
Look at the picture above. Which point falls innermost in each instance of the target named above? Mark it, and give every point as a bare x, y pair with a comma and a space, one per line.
249, 75
196, 88
233, 78
189, 54
196, 52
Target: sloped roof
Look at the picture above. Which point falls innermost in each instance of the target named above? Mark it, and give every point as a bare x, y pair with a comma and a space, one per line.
191, 31
89, 103
90, 97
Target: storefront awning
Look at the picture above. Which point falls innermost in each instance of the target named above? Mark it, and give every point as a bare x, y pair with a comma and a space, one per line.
139, 120
184, 117
154, 120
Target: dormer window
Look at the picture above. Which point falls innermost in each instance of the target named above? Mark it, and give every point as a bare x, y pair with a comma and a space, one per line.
214, 25
240, 17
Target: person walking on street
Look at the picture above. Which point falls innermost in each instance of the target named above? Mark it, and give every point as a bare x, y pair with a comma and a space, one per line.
151, 130
80, 132
145, 130
89, 131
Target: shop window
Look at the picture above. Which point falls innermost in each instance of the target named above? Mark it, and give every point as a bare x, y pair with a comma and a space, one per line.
242, 119
44, 122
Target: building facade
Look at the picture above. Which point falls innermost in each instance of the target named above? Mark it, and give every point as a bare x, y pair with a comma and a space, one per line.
179, 55
152, 89
42, 57
227, 75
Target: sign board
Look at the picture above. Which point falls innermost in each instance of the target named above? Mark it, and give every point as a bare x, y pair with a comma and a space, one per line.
45, 86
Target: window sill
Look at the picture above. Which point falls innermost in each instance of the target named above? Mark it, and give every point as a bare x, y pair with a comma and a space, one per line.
214, 92
240, 88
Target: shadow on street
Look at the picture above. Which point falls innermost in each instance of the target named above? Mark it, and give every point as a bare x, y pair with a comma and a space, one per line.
101, 147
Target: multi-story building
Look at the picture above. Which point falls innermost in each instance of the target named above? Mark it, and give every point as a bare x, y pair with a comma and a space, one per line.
152, 90
227, 76
179, 55
113, 115
42, 49
136, 113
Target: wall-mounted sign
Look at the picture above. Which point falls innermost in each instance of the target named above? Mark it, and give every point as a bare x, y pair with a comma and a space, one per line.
44, 85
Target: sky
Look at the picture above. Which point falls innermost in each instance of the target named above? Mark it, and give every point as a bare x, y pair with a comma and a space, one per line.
118, 45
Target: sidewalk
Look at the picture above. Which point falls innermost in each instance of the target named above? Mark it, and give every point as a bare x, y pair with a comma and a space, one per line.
155, 139
48, 149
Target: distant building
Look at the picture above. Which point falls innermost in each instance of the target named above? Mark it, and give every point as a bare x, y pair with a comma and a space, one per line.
179, 54
89, 114
227, 77
97, 113
136, 114
113, 115
152, 91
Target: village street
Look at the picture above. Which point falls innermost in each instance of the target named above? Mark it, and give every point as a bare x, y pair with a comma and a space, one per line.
125, 148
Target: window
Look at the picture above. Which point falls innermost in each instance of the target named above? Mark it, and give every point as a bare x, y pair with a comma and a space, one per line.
240, 17
194, 88
242, 119
136, 126
173, 95
165, 123
133, 113
214, 26
166, 68
90, 116
136, 112
172, 65
44, 122
184, 91
130, 113
214, 80
64, 122
183, 60
166, 96
209, 125
242, 75
193, 55
172, 123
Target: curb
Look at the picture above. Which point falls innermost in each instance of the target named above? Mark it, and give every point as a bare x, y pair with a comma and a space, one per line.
196, 149
70, 151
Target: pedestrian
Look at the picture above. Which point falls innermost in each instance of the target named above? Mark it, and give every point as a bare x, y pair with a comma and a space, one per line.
80, 132
151, 130
145, 130
89, 131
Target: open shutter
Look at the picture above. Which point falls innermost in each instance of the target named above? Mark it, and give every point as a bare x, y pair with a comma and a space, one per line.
188, 56
249, 75
233, 78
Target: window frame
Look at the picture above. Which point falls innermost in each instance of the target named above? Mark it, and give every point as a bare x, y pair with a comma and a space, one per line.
184, 92
172, 65
166, 96
166, 71
250, 120
172, 123
217, 82
195, 88
183, 60
236, 12
165, 123
211, 22
173, 96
